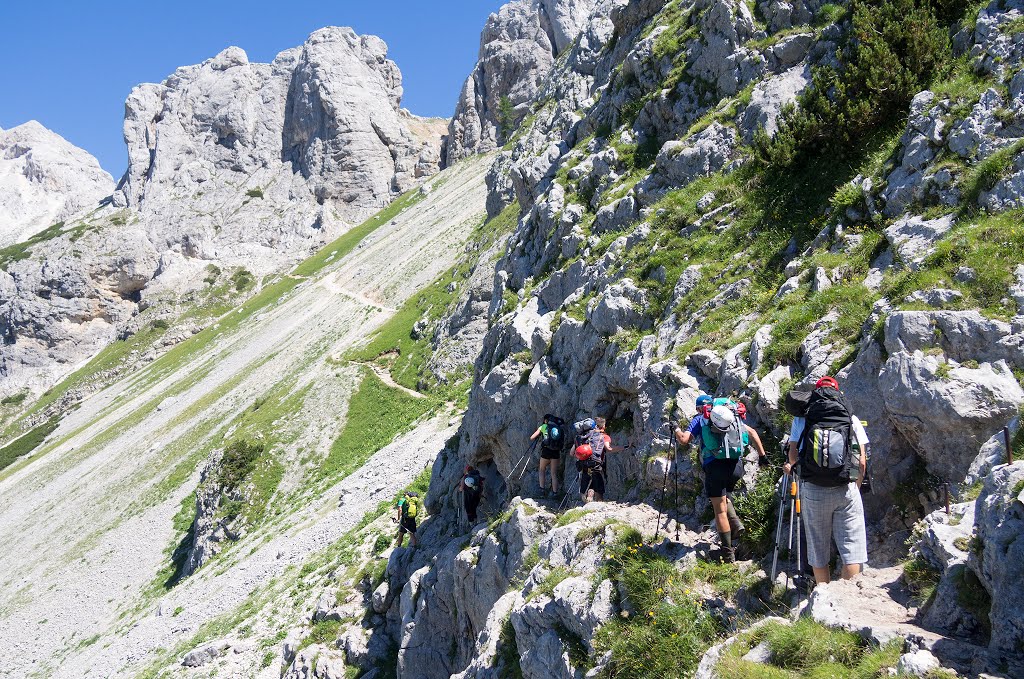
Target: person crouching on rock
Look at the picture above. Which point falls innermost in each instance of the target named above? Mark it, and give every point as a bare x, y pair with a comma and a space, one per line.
472, 489
408, 508
828, 449
722, 436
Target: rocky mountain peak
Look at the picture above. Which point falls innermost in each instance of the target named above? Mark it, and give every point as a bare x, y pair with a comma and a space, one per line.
518, 47
44, 179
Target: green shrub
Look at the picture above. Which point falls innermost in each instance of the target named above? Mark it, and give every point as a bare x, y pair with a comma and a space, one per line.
671, 630
255, 193
237, 463
894, 49
922, 577
242, 280
27, 442
161, 324
506, 119
14, 400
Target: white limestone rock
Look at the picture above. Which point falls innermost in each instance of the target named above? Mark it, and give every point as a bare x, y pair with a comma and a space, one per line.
44, 179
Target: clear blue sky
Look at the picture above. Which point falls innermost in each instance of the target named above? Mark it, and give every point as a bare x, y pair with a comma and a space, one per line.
71, 64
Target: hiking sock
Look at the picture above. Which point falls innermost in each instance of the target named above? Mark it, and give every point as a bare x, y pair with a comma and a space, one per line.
735, 524
726, 539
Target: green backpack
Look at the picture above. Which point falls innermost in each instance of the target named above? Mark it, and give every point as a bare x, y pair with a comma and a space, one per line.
411, 507
723, 445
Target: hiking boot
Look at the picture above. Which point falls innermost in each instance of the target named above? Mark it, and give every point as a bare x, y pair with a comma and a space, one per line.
727, 554
736, 526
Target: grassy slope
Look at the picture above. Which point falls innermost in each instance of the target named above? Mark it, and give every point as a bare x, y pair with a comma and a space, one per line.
272, 294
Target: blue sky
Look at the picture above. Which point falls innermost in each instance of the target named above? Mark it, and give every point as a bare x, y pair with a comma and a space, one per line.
71, 64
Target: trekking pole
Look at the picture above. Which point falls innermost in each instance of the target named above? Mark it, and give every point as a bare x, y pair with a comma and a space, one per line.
524, 459
664, 489
778, 525
459, 503
565, 498
1009, 449
792, 516
799, 527
675, 463
528, 456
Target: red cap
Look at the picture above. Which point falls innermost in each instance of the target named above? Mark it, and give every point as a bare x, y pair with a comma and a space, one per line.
584, 452
827, 381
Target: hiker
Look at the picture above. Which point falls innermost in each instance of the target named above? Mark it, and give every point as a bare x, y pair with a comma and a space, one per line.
552, 433
722, 437
592, 444
408, 508
472, 488
828, 449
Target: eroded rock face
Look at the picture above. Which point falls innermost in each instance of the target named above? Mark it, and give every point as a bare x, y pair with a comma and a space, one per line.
518, 47
318, 130
44, 180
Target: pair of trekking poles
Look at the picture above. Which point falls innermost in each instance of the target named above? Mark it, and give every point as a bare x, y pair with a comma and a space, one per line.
524, 461
790, 494
664, 484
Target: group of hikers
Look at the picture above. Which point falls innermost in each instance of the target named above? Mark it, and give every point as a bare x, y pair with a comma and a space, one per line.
826, 464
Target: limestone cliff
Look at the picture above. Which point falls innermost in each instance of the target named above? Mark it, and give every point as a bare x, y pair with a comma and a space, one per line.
44, 180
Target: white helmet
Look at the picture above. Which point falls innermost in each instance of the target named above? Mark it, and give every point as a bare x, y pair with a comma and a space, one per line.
722, 419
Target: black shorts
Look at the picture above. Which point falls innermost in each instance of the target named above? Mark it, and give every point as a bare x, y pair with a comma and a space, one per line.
408, 525
547, 454
593, 481
721, 476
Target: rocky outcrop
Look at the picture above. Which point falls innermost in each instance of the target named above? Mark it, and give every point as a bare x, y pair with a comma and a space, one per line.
44, 180
287, 151
518, 47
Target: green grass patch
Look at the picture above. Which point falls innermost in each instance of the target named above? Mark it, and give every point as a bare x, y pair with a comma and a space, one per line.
809, 650
547, 586
15, 399
23, 250
572, 516
324, 632
376, 414
27, 442
922, 578
671, 629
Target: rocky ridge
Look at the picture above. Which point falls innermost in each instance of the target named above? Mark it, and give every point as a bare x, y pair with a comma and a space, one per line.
233, 166
44, 180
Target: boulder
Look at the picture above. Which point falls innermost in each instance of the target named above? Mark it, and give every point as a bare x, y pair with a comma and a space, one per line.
771, 95
914, 238
680, 162
1000, 565
946, 411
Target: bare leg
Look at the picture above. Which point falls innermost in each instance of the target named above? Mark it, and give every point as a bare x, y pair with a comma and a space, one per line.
400, 539
822, 575
540, 473
851, 571
721, 507
554, 475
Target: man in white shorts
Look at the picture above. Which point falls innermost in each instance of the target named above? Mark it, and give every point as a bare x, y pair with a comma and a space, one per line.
832, 510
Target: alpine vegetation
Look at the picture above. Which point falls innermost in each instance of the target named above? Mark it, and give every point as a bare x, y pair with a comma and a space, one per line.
690, 346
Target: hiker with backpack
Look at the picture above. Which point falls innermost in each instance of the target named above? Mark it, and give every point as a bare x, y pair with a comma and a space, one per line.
408, 508
552, 435
472, 488
828, 451
722, 435
592, 443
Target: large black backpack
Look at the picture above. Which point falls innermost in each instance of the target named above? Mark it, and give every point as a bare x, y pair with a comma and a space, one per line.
554, 437
825, 451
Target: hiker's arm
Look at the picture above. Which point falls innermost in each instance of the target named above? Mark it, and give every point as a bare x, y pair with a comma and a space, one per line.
757, 441
682, 436
535, 434
788, 467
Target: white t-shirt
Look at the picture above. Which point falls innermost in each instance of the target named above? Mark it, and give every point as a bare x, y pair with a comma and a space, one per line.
858, 430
